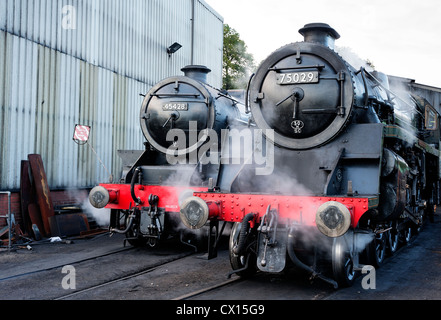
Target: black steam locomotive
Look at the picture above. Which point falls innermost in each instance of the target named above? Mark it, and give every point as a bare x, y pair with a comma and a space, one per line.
332, 171
355, 166
179, 115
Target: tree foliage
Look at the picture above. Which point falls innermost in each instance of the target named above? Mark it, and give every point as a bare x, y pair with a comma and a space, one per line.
237, 61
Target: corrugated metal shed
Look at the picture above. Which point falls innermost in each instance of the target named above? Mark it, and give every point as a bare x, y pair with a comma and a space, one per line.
64, 62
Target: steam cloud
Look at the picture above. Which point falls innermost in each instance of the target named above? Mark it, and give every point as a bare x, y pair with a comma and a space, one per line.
101, 216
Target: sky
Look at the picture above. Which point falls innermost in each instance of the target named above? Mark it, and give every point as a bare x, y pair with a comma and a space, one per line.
401, 37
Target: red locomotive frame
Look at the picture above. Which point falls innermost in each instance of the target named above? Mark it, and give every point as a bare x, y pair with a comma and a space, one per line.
302, 209
120, 196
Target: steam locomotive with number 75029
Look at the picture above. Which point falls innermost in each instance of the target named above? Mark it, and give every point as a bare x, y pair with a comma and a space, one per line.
328, 168
356, 166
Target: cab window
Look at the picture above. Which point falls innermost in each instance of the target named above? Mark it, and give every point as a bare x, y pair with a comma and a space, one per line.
431, 119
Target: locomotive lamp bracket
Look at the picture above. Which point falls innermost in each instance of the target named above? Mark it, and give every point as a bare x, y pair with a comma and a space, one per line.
298, 56
260, 96
341, 111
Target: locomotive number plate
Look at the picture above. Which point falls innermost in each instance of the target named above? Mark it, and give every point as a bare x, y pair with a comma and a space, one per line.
298, 77
175, 107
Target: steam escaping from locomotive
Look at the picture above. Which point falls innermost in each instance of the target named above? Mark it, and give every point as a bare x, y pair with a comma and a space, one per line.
100, 216
345, 177
350, 173
238, 146
353, 59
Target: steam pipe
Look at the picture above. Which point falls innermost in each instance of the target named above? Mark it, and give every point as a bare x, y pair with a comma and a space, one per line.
129, 225
243, 234
136, 174
300, 264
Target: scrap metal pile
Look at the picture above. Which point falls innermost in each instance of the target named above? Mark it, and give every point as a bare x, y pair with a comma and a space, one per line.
39, 219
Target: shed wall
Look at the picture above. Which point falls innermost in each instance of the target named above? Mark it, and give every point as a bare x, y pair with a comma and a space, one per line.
67, 62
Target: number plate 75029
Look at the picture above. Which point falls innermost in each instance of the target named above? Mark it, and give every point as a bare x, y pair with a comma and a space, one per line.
298, 77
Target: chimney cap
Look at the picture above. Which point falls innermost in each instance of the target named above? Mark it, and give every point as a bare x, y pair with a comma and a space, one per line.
196, 72
196, 68
324, 27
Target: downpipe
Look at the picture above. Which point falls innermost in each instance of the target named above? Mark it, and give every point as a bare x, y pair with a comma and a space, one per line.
314, 274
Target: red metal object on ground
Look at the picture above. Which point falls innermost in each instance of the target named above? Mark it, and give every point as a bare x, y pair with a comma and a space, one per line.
42, 189
35, 216
26, 196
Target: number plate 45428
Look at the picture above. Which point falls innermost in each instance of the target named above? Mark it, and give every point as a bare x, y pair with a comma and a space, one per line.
175, 106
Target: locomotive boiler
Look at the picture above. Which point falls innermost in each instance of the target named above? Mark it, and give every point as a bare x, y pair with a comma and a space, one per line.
356, 167
179, 115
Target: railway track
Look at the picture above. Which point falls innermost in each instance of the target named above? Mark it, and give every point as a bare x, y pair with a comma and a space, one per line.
199, 292
178, 274
62, 264
38, 274
177, 277
123, 277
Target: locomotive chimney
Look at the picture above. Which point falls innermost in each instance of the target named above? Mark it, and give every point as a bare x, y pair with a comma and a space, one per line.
198, 73
320, 33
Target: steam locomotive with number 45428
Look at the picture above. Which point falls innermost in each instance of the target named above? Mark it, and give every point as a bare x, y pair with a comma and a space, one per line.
334, 167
